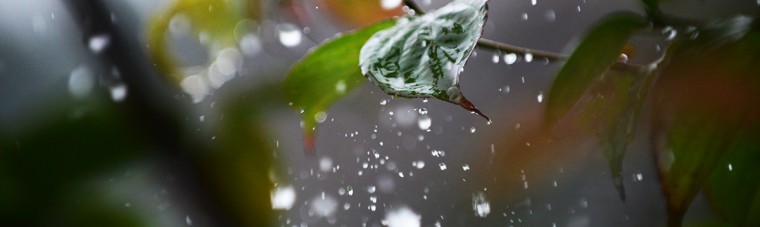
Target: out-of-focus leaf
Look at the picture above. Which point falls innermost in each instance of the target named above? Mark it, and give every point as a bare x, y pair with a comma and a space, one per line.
595, 55
325, 75
706, 102
239, 168
733, 186
212, 21
422, 57
612, 114
74, 142
360, 13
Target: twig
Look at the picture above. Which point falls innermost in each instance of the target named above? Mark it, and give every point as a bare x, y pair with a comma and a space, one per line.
507, 48
490, 44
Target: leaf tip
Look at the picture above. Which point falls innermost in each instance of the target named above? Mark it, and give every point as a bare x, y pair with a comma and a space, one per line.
466, 104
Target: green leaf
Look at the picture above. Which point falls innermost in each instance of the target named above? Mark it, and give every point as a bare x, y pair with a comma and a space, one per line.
595, 55
707, 116
422, 57
325, 75
733, 186
612, 114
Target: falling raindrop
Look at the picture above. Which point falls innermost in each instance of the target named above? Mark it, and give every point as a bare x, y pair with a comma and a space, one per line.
118, 92
324, 205
473, 129
540, 97
533, 2
98, 43
340, 87
550, 15
390, 4
424, 122
480, 205
418, 164
495, 58
250, 44
442, 166
402, 217
81, 82
289, 34
283, 198
325, 164
188, 220
320, 117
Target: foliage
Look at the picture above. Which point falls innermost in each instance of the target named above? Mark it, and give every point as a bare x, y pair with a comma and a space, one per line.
693, 141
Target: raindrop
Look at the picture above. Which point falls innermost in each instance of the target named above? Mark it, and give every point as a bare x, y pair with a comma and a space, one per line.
325, 164
495, 58
405, 115
188, 220
283, 198
324, 205
340, 87
550, 15
350, 190
424, 122
390, 4
533, 2
119, 92
195, 86
473, 129
98, 43
402, 217
442, 166
480, 205
289, 34
250, 44
418, 164
179, 24
383, 102
540, 97
730, 167
528, 57
371, 189
422, 111
510, 58
320, 117
466, 167
623, 58
81, 81
524, 16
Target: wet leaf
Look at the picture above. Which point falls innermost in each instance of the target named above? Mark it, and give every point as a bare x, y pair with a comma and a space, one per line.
598, 51
213, 22
422, 57
325, 75
706, 104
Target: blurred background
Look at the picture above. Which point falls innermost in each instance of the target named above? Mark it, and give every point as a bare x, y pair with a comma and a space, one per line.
95, 130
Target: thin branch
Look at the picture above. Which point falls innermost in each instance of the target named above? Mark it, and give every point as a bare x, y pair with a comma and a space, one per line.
494, 45
507, 48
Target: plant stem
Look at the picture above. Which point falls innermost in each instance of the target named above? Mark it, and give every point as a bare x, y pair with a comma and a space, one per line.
507, 48
494, 45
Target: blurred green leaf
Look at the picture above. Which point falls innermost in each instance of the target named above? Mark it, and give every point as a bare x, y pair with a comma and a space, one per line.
598, 51
239, 170
75, 142
212, 21
325, 75
733, 186
612, 114
423, 56
706, 106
